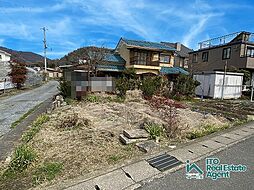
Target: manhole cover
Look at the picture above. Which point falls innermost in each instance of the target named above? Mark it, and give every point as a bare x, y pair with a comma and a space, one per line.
164, 162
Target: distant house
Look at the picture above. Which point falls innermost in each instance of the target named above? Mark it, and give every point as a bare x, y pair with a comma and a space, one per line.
148, 57
181, 58
54, 73
4, 70
4, 56
232, 51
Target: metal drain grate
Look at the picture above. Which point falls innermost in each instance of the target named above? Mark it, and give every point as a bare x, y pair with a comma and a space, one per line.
164, 162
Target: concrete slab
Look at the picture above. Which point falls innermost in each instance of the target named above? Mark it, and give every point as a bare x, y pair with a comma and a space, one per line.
126, 140
147, 146
88, 185
212, 144
250, 126
140, 171
116, 180
241, 133
223, 140
232, 136
198, 149
136, 133
249, 130
183, 154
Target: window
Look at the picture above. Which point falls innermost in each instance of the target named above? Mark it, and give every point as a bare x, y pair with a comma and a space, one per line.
164, 58
155, 57
140, 58
250, 52
195, 58
205, 56
226, 53
0, 57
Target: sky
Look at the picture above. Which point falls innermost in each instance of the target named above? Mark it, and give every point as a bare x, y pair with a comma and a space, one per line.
72, 24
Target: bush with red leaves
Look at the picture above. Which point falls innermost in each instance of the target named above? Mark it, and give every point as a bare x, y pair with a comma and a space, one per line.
158, 101
167, 108
18, 73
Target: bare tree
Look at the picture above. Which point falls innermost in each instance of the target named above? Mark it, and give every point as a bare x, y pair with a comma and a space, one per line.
91, 57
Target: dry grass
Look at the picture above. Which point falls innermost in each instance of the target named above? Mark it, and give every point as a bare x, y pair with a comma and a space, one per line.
84, 136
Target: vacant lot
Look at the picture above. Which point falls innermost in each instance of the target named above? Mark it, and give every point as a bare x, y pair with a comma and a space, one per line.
84, 136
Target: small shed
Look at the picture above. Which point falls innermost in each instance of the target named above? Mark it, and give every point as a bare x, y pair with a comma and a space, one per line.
217, 84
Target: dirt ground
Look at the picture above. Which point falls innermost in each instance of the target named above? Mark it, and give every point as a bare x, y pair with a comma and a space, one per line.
94, 142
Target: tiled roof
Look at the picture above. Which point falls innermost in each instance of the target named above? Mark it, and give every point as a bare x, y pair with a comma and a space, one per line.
149, 45
184, 52
110, 67
114, 58
173, 70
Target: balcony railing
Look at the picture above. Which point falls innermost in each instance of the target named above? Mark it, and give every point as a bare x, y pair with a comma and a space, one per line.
146, 62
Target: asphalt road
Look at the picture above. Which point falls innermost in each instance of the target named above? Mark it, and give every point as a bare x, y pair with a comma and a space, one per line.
242, 153
12, 108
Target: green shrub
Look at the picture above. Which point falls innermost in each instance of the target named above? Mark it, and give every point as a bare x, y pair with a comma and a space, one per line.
122, 85
35, 128
184, 86
92, 98
114, 158
22, 158
47, 172
64, 88
150, 85
128, 81
205, 130
154, 130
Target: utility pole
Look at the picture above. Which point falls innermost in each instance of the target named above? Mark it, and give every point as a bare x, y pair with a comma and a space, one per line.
252, 86
223, 82
45, 48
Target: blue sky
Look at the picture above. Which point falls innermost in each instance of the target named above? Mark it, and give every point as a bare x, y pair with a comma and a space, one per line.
76, 23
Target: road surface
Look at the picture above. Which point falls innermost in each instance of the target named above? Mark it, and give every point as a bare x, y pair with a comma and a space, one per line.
12, 108
242, 153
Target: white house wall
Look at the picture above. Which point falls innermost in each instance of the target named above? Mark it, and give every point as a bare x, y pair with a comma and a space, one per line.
206, 88
4, 57
232, 86
211, 85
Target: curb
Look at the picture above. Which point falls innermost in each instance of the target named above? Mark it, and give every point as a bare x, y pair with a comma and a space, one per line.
107, 177
10, 140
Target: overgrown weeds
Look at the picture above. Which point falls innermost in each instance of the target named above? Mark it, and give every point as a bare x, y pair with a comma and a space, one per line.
47, 172
22, 158
155, 130
114, 158
167, 108
35, 128
92, 98
205, 130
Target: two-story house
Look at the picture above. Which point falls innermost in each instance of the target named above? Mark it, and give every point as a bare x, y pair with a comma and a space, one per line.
181, 58
147, 57
232, 51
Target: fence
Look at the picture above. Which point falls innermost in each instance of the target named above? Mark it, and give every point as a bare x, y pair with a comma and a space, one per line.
81, 83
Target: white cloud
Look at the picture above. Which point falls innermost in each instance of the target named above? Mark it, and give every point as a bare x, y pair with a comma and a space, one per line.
93, 22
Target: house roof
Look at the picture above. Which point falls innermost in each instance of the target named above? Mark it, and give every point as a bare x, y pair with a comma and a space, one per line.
184, 52
116, 58
147, 45
110, 67
173, 70
5, 52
